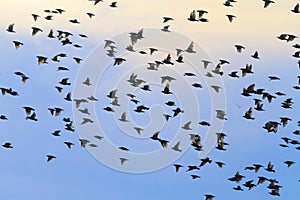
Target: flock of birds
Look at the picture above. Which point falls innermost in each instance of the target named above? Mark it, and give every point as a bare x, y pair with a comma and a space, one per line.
260, 95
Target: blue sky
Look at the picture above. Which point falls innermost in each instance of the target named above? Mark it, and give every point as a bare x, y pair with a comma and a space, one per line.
76, 173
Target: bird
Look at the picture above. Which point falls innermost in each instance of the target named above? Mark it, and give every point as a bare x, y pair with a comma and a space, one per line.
35, 31
230, 17
118, 61
32, 117
123, 160
166, 19
233, 74
86, 120
79, 101
177, 167
205, 63
220, 164
69, 144
28, 110
155, 135
83, 142
221, 114
11, 28
90, 14
96, 1
238, 188
267, 3
166, 89
195, 176
216, 88
113, 4
98, 137
272, 78
237, 177
284, 121
7, 145
197, 85
49, 17
87, 82
74, 21
192, 16
239, 48
289, 163
201, 13
170, 103
176, 147
248, 114
187, 125
209, 197
42, 60
138, 130
35, 16
68, 97
64, 81
190, 48
270, 167
167, 60
204, 161
189, 74
50, 157
108, 109
167, 78
296, 9
255, 55
123, 117
56, 133
192, 167
227, 3
124, 148
17, 44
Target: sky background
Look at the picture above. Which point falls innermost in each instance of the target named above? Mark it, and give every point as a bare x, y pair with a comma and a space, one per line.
76, 174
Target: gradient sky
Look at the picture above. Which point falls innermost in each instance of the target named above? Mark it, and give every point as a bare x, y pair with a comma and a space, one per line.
76, 174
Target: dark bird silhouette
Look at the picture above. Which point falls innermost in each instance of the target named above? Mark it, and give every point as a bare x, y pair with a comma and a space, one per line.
74, 21
192, 167
230, 17
167, 60
50, 157
239, 48
267, 3
42, 60
35, 31
166, 89
35, 16
7, 145
255, 55
233, 74
270, 167
90, 14
64, 81
113, 4
119, 61
193, 16
289, 163
11, 28
32, 117
177, 167
177, 111
248, 114
296, 9
69, 144
17, 44
201, 13
166, 19
220, 164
